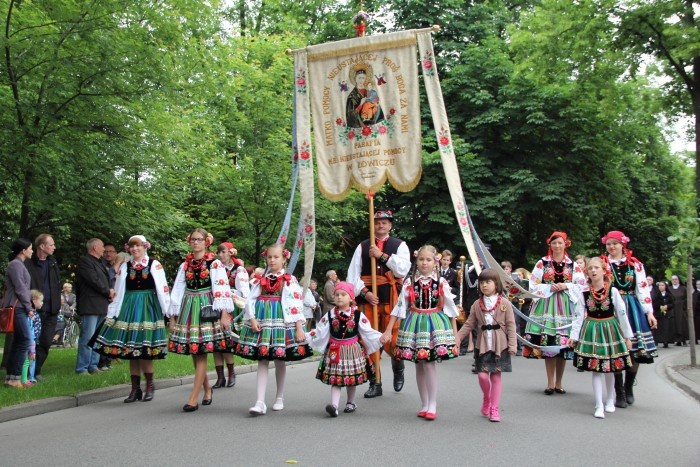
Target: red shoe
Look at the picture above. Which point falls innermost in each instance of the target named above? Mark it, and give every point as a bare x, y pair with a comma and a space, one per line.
430, 415
494, 416
422, 413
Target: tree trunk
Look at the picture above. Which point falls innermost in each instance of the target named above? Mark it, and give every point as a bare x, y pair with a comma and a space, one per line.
24, 210
689, 311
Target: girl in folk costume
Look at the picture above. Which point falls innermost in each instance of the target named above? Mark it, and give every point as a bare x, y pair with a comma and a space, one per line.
556, 280
134, 328
629, 278
238, 282
493, 318
274, 325
600, 336
336, 335
201, 286
427, 332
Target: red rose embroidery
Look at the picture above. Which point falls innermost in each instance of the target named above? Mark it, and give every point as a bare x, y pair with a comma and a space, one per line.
351, 134
215, 266
263, 350
305, 155
366, 131
338, 121
302, 350
279, 352
194, 348
166, 289
308, 228
209, 346
444, 141
294, 310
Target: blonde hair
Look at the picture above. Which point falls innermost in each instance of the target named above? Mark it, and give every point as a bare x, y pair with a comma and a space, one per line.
36, 294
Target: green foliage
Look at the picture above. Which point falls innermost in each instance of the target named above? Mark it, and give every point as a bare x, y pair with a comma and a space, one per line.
119, 118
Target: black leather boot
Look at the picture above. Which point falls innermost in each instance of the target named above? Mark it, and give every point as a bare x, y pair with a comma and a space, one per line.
375, 390
220, 379
398, 366
620, 399
148, 393
135, 394
231, 375
629, 383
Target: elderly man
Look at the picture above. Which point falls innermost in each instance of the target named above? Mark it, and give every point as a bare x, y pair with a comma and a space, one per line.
94, 294
329, 290
46, 277
393, 262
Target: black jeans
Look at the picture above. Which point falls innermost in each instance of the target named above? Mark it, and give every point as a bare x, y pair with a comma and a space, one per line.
44, 341
20, 344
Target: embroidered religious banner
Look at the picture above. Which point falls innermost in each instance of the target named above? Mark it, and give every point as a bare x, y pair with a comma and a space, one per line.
365, 113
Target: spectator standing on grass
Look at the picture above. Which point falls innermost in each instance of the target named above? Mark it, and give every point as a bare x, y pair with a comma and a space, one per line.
94, 294
46, 277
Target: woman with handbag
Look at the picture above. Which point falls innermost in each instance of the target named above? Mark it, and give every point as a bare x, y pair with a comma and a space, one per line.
200, 294
134, 328
18, 298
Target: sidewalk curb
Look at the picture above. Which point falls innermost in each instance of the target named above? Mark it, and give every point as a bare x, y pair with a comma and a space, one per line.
53, 404
688, 386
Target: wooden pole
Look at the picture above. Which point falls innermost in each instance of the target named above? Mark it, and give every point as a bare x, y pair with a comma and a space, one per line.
373, 265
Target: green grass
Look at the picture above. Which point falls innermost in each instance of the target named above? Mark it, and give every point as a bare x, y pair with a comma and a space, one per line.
60, 378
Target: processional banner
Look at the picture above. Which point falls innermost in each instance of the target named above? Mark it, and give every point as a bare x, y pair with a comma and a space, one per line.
362, 96
365, 109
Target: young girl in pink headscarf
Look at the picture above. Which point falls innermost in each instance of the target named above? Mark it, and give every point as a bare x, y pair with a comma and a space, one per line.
344, 357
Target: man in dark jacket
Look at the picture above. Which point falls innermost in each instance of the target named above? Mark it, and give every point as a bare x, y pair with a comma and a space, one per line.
94, 293
46, 277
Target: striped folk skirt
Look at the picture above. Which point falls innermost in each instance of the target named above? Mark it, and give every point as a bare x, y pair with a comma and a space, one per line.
191, 335
348, 368
426, 336
275, 341
138, 331
601, 347
549, 313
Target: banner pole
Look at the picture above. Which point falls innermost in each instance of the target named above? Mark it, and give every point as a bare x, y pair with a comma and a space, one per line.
373, 265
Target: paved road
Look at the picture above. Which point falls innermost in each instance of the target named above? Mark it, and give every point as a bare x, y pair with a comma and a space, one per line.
662, 428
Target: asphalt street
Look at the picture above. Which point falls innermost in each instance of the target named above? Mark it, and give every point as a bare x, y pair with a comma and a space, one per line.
661, 428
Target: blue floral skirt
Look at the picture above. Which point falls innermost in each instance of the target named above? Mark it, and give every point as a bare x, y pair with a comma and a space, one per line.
643, 346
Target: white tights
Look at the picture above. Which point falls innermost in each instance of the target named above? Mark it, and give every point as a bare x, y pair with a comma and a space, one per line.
280, 374
426, 377
603, 388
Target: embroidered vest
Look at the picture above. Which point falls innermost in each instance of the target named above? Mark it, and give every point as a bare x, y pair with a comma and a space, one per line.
140, 279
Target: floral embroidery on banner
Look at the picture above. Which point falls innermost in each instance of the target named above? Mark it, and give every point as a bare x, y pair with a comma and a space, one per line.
444, 140
301, 81
461, 212
308, 228
428, 64
303, 155
386, 127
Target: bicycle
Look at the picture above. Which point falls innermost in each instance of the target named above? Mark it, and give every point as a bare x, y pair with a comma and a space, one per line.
67, 330
71, 331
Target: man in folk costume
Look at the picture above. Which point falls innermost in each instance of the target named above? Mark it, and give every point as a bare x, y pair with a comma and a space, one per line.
393, 262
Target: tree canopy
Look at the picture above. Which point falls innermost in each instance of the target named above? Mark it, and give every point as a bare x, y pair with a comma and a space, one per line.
161, 116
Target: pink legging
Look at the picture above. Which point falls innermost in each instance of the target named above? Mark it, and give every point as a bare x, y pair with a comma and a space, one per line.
491, 387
